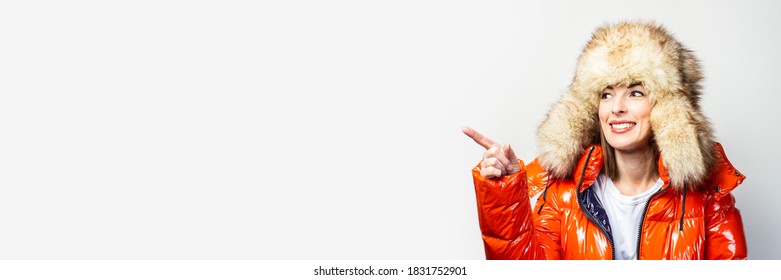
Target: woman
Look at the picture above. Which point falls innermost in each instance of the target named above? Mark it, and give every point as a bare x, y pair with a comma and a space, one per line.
628, 168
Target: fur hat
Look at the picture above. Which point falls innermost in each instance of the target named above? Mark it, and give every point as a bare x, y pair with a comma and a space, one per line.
622, 54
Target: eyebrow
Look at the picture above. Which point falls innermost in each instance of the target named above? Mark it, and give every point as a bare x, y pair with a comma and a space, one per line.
630, 85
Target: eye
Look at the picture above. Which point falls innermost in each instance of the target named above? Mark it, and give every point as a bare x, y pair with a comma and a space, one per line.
637, 93
606, 95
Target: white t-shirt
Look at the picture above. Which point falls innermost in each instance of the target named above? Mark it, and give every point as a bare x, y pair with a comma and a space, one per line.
624, 213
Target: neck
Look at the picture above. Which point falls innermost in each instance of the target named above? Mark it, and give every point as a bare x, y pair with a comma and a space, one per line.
636, 171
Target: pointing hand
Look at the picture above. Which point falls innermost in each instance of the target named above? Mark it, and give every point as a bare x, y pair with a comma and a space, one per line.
497, 160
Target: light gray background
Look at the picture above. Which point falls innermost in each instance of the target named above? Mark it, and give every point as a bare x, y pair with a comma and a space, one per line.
320, 129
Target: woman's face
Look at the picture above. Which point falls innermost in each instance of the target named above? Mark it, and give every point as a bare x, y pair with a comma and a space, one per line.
625, 117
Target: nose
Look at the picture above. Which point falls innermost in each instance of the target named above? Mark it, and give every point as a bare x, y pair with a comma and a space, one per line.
619, 105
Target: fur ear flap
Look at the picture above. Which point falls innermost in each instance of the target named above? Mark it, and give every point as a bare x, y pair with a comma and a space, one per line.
562, 133
684, 140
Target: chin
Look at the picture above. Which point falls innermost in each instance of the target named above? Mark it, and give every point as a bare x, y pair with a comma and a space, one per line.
624, 146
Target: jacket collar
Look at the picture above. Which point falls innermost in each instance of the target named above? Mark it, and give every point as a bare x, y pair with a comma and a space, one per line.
588, 167
725, 177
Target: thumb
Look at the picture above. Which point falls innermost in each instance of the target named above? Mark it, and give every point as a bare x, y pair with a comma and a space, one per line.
510, 154
513, 167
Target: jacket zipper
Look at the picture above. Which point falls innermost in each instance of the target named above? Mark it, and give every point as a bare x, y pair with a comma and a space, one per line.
588, 214
642, 220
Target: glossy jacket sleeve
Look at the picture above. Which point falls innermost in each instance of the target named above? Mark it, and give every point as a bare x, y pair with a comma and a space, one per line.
506, 221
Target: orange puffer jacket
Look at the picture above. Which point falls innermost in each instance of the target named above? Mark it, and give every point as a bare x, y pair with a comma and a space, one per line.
568, 222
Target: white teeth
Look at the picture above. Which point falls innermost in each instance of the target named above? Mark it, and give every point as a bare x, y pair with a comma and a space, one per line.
622, 125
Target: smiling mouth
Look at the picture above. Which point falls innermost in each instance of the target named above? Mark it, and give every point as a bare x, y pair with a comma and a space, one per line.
622, 125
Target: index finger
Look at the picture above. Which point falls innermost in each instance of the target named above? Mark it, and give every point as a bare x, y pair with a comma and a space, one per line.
479, 138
